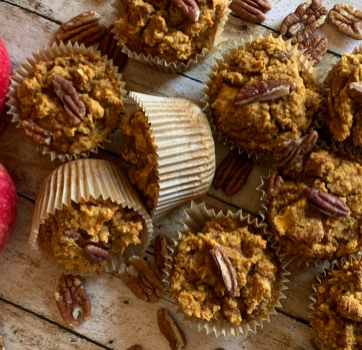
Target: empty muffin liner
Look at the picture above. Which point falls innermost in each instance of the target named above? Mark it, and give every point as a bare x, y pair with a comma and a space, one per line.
185, 149
196, 217
170, 67
88, 179
48, 54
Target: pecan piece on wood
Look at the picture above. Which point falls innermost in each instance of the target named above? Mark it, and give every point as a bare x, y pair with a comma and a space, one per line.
316, 46
264, 91
347, 19
95, 253
225, 168
326, 203
83, 29
36, 133
306, 19
226, 270
189, 8
160, 252
135, 347
141, 280
238, 178
170, 329
274, 186
72, 300
73, 105
251, 10
354, 91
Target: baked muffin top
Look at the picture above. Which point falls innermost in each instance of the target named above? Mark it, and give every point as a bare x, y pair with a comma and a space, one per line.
262, 96
159, 28
247, 289
74, 98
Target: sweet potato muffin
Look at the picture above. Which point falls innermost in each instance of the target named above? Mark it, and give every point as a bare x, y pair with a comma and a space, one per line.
225, 272
70, 103
338, 308
84, 236
262, 96
163, 29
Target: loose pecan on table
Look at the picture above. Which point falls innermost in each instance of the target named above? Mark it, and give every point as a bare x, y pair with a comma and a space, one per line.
95, 253
170, 329
354, 91
274, 186
326, 203
160, 252
189, 8
73, 105
83, 29
36, 133
72, 300
306, 19
347, 19
141, 280
264, 91
316, 46
226, 270
251, 10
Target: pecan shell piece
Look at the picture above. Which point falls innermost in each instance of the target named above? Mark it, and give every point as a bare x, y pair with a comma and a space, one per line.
72, 300
354, 91
347, 19
274, 186
160, 252
316, 46
251, 10
39, 135
226, 270
189, 8
95, 253
170, 329
326, 203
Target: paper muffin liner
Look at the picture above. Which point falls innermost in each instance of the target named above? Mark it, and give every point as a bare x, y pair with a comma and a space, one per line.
207, 99
48, 54
195, 220
185, 149
87, 179
160, 63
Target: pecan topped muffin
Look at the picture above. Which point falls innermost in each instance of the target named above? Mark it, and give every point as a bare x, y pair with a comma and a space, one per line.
262, 96
170, 29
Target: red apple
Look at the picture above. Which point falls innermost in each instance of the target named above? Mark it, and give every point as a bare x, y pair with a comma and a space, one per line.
8, 206
5, 73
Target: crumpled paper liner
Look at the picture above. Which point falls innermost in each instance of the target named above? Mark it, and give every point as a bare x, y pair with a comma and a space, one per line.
86, 179
196, 217
207, 99
48, 54
185, 149
171, 67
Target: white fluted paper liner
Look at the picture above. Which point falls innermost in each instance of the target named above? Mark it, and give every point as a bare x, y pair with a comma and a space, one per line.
161, 64
48, 54
185, 149
207, 99
195, 220
86, 179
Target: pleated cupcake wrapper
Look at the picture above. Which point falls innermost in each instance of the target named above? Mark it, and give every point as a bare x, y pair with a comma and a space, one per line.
48, 54
185, 149
161, 64
207, 99
195, 220
88, 179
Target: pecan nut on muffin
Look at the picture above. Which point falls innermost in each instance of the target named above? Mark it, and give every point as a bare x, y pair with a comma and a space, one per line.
164, 29
70, 103
84, 235
225, 272
262, 96
338, 307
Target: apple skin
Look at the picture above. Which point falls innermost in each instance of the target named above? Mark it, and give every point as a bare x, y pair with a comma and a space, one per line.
5, 73
8, 207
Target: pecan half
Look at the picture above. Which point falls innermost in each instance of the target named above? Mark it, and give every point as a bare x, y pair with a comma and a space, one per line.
36, 133
226, 270
72, 103
326, 203
141, 280
274, 186
264, 91
251, 10
72, 300
189, 8
83, 29
306, 19
95, 253
316, 46
282, 56
347, 19
225, 168
135, 347
160, 252
238, 178
170, 329
354, 91
77, 236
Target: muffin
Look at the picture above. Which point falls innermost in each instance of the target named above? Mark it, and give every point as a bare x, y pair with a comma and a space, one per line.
262, 95
338, 307
70, 103
318, 215
166, 30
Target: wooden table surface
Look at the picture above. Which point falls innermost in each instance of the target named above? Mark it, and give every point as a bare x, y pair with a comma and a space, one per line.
29, 318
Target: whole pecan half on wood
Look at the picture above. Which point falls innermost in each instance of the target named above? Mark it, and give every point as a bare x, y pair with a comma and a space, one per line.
354, 91
274, 186
189, 8
347, 19
316, 46
326, 203
39, 135
251, 10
